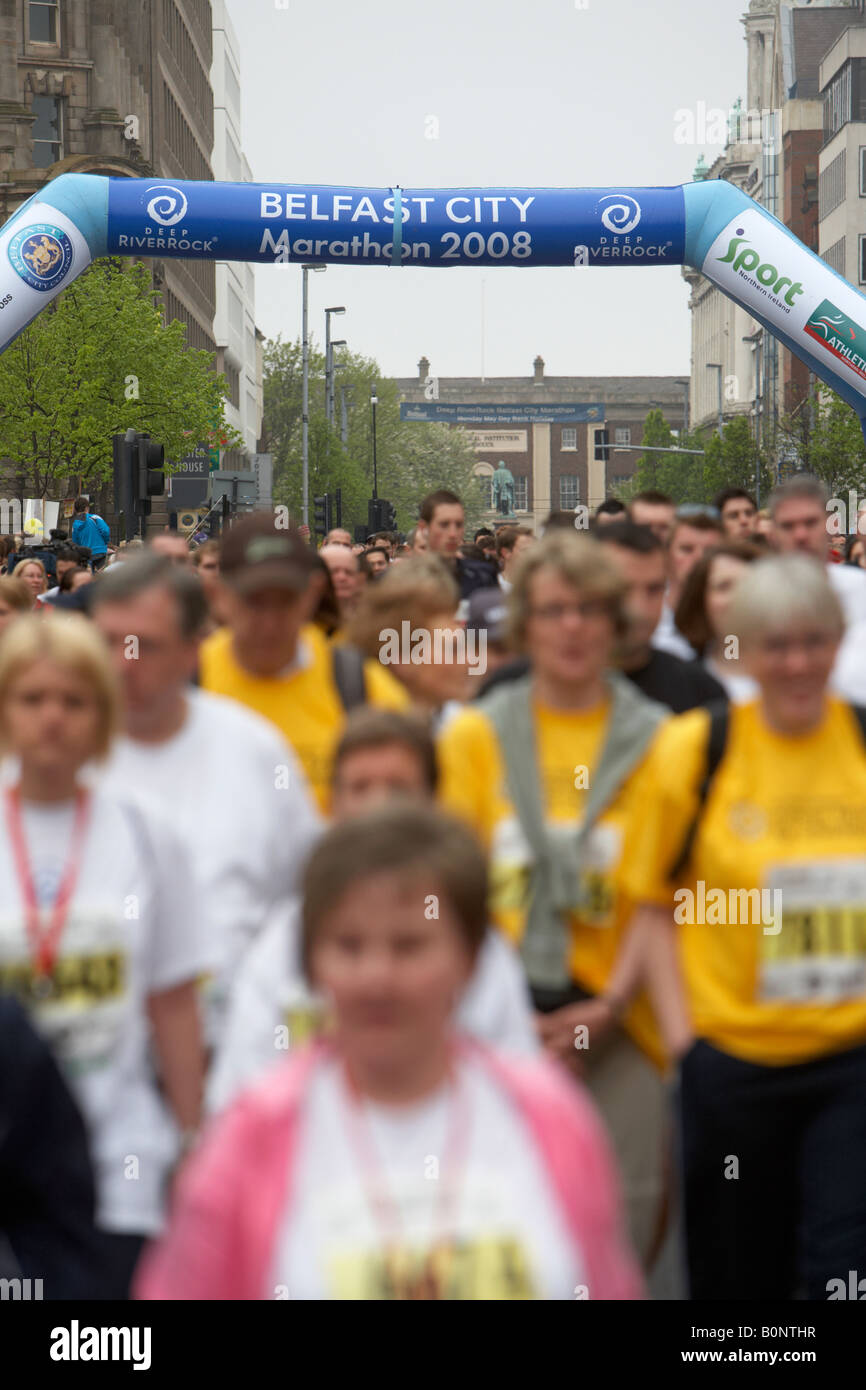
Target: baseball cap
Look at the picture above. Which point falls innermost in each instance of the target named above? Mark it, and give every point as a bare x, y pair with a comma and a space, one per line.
255, 554
488, 610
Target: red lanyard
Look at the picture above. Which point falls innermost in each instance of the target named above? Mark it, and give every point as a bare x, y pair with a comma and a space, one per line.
44, 943
382, 1202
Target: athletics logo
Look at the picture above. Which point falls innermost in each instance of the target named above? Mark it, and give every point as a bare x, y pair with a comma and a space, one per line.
622, 216
167, 205
842, 337
41, 255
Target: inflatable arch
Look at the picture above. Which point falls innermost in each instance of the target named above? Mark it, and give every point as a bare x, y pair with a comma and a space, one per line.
711, 226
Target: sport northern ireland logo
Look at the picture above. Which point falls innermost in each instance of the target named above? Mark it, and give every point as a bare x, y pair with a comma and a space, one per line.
841, 336
748, 262
41, 254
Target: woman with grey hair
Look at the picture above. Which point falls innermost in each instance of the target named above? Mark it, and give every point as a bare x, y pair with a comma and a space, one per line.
751, 874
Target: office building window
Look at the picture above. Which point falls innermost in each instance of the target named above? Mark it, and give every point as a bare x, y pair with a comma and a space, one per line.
623, 436
863, 171
521, 494
863, 260
569, 493
43, 24
569, 438
835, 256
831, 186
233, 378
47, 139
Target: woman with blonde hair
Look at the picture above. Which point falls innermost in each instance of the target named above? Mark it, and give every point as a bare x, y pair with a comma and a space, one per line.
98, 930
32, 573
546, 771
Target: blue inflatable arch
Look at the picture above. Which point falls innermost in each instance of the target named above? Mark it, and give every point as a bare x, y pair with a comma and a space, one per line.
711, 226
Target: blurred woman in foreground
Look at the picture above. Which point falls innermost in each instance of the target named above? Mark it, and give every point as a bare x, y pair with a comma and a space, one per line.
397, 1160
98, 926
751, 873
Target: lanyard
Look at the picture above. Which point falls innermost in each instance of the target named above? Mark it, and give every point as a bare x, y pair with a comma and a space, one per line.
384, 1206
44, 943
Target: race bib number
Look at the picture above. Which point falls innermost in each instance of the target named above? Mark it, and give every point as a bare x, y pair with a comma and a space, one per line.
815, 950
80, 1007
510, 868
490, 1269
306, 1021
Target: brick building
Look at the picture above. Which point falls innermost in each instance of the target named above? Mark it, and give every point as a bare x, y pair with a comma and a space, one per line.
549, 431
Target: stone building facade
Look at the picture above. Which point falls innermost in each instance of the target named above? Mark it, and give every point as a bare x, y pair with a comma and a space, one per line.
100, 87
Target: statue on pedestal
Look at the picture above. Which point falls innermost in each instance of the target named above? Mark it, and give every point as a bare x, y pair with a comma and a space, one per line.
503, 490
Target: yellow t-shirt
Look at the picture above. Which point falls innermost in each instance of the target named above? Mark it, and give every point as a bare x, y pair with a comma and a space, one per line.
305, 705
473, 786
786, 816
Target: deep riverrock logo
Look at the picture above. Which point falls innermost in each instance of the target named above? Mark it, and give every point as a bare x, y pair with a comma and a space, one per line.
41, 255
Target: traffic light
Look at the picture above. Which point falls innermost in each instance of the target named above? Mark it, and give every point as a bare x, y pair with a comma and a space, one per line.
602, 446
381, 515
150, 478
322, 515
138, 476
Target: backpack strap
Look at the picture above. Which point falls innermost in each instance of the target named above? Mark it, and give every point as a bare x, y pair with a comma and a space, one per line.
719, 711
348, 670
859, 713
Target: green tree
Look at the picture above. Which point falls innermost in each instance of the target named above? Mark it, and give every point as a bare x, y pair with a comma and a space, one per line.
412, 459
823, 436
98, 360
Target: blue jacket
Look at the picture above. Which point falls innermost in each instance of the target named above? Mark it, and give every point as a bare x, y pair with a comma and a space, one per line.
92, 532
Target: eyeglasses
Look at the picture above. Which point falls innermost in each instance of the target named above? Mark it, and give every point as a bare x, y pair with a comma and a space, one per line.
586, 609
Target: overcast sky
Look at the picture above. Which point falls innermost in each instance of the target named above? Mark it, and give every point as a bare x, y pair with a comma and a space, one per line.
526, 93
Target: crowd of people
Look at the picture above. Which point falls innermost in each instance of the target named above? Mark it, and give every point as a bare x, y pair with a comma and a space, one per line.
437, 919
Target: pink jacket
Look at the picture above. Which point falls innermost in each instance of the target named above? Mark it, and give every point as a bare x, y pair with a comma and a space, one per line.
232, 1196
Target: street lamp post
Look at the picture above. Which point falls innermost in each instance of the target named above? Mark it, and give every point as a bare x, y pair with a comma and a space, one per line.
338, 309
332, 367
754, 339
305, 397
717, 367
686, 385
373, 404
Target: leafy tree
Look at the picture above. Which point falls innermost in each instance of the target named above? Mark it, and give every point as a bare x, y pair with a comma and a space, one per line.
823, 436
98, 360
411, 458
729, 459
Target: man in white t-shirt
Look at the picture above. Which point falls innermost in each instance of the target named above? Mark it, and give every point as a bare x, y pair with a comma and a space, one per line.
215, 770
272, 1007
799, 512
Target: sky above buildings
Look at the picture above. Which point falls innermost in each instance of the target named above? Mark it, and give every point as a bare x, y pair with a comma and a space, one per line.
554, 93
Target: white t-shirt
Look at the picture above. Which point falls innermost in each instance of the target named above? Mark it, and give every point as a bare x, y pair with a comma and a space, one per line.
234, 788
668, 638
738, 687
272, 1008
499, 1208
849, 673
132, 930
